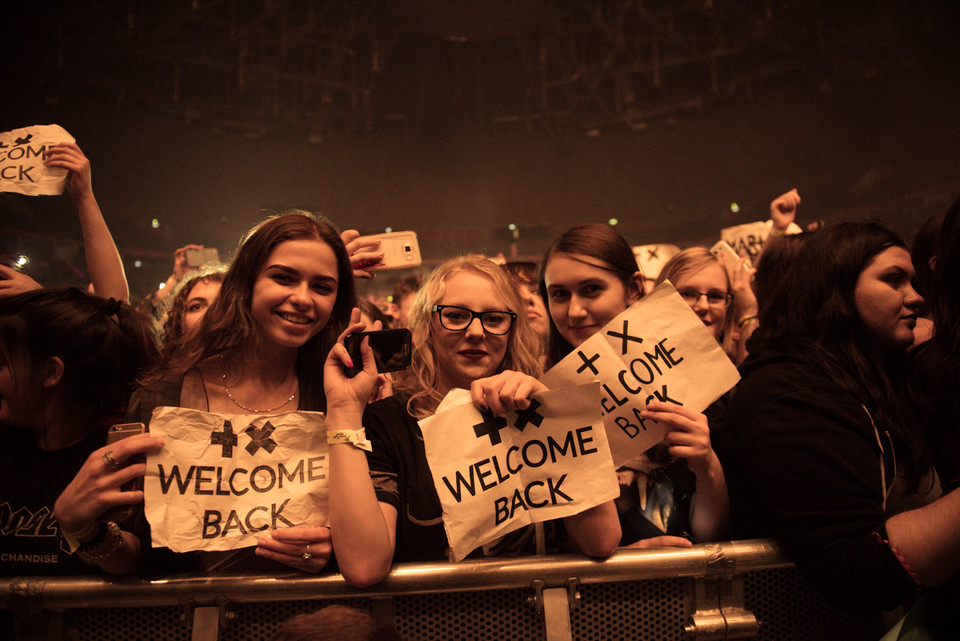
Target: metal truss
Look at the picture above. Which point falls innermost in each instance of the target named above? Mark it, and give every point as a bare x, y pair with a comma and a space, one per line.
332, 67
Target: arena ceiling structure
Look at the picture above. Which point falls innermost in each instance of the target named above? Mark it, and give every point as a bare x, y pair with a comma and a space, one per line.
459, 118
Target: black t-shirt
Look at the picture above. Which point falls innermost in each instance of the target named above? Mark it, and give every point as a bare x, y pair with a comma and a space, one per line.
31, 479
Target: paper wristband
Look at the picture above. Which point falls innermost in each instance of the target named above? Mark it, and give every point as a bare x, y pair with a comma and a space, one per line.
357, 438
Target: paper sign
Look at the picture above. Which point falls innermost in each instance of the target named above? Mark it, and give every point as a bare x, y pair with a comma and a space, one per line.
652, 258
21, 160
658, 348
221, 480
497, 474
748, 239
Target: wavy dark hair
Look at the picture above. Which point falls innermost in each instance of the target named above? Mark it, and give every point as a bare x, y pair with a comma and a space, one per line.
814, 315
104, 345
172, 328
598, 241
228, 322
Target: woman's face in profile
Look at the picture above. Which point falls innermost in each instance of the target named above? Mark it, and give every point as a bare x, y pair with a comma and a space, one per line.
886, 301
466, 355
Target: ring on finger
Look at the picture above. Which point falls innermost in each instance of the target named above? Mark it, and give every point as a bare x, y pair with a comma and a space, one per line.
306, 556
111, 462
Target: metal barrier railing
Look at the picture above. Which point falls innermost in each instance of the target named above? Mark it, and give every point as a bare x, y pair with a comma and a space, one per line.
712, 575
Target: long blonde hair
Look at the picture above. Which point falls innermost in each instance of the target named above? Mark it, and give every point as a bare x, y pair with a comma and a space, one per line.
421, 380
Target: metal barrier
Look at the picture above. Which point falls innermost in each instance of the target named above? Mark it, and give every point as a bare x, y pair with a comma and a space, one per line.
737, 589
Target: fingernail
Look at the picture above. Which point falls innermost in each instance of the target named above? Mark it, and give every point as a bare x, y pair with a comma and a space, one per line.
484, 408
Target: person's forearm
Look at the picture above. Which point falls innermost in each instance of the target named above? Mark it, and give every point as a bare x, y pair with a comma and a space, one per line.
928, 539
710, 505
362, 542
103, 258
596, 531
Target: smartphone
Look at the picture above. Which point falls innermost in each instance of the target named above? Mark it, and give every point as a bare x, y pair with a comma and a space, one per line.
114, 434
723, 249
400, 250
198, 257
391, 350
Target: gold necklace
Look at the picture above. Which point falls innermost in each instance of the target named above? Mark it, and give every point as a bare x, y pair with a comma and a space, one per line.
223, 378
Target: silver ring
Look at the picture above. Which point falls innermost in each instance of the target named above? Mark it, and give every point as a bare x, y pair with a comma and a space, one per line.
111, 462
306, 556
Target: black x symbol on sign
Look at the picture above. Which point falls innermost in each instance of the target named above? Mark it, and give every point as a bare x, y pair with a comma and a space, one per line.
529, 415
653, 254
226, 438
260, 437
625, 336
587, 362
490, 426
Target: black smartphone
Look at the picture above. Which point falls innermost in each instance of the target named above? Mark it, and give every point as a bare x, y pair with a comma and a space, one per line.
391, 350
114, 434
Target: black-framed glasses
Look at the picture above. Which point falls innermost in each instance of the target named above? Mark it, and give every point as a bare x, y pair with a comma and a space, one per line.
457, 319
691, 296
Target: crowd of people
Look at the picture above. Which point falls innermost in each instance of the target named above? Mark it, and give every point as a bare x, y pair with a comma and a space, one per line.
841, 440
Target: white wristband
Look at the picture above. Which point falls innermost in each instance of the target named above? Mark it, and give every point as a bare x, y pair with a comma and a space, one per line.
357, 438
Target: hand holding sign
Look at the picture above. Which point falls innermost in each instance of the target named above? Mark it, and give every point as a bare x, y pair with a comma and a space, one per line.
67, 155
22, 169
507, 391
305, 548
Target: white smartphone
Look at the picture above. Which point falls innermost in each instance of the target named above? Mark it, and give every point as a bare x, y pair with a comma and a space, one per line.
723, 249
198, 257
400, 250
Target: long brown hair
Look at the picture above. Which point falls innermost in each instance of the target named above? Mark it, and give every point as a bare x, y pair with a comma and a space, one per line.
228, 322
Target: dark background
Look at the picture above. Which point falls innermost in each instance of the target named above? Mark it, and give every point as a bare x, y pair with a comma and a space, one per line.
456, 119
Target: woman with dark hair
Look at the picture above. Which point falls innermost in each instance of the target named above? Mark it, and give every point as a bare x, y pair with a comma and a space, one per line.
68, 363
590, 275
821, 448
259, 349
469, 332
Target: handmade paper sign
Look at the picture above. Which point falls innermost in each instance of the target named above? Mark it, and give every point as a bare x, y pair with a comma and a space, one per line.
748, 239
496, 474
21, 160
223, 479
657, 348
652, 258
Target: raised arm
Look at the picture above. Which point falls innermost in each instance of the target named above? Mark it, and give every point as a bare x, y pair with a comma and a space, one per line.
689, 439
103, 259
363, 530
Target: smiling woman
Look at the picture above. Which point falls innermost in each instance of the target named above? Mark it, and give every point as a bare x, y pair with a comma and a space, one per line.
285, 299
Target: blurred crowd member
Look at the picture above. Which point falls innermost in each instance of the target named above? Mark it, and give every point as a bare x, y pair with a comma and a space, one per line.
68, 363
926, 245
677, 488
336, 623
404, 291
469, 332
527, 281
191, 298
821, 448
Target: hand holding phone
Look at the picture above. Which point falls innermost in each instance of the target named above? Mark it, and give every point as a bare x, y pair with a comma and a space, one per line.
392, 349
114, 434
400, 250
